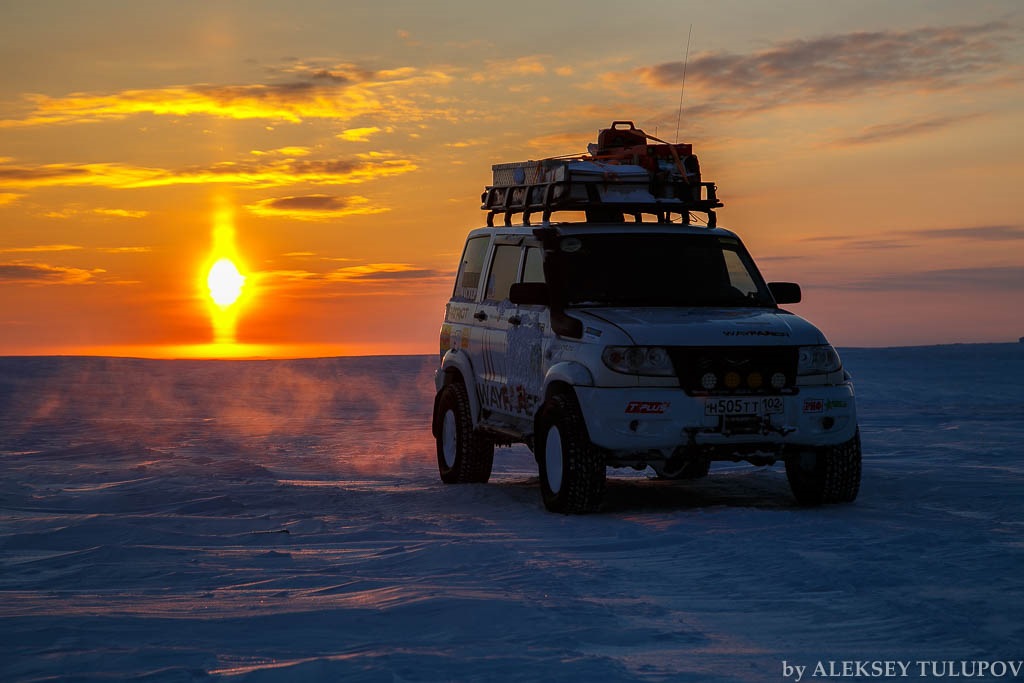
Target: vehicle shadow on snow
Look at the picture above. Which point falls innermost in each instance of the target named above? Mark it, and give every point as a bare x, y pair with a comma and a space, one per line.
761, 489
755, 489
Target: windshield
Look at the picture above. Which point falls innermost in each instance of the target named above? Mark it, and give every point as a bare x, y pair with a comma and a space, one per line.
656, 270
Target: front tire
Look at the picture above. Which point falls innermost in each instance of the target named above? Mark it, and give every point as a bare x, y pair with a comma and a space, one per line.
827, 475
463, 454
572, 469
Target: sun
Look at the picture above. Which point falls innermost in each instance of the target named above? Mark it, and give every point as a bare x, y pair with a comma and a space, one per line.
225, 282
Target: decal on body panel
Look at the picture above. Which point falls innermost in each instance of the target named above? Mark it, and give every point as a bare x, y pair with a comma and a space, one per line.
647, 407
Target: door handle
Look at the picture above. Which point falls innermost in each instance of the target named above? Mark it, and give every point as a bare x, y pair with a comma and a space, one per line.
480, 315
515, 320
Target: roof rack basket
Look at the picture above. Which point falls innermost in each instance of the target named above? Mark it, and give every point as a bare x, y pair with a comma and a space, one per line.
623, 175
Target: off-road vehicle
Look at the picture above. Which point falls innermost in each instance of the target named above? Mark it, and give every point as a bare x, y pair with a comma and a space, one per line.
633, 338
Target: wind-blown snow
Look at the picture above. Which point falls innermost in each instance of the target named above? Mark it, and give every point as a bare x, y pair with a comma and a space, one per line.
283, 521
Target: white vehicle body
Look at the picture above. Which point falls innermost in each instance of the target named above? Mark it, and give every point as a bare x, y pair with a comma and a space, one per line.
726, 382
650, 343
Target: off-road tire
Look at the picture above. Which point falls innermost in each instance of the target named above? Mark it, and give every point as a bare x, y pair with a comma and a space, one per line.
829, 475
463, 454
573, 481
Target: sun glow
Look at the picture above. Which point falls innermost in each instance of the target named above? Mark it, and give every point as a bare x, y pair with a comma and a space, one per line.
223, 278
225, 282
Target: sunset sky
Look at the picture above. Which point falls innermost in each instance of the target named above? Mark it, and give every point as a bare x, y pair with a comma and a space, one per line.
336, 152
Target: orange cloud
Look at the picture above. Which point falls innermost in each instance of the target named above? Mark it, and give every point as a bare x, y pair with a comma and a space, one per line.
501, 69
274, 173
40, 248
562, 143
293, 151
358, 134
320, 94
126, 250
121, 213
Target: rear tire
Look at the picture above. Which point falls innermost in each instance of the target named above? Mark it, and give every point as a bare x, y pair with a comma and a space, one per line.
827, 475
572, 469
463, 454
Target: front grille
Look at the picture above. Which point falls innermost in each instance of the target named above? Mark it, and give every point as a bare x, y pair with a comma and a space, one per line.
735, 370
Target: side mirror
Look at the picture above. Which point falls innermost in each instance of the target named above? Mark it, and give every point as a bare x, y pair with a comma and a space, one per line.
785, 292
529, 293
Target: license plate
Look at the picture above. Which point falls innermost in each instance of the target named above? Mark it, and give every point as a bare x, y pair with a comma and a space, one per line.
744, 405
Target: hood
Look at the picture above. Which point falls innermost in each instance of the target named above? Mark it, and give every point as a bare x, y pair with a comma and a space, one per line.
709, 326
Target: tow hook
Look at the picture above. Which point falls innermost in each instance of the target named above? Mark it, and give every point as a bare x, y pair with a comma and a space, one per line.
682, 454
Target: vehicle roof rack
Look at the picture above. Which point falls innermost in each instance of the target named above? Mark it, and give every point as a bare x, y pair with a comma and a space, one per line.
622, 175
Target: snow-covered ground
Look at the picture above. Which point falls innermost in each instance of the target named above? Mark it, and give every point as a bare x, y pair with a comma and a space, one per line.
283, 521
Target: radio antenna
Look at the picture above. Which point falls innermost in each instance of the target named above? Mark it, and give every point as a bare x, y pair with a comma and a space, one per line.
682, 88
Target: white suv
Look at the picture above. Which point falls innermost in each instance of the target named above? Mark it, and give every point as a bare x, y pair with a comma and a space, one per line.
644, 344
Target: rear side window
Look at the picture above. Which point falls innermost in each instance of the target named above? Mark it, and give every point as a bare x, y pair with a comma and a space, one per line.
504, 271
468, 282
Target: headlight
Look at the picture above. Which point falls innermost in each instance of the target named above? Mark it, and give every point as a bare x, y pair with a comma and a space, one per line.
818, 360
639, 360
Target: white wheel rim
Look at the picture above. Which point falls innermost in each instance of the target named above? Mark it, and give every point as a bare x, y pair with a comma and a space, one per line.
449, 443
553, 459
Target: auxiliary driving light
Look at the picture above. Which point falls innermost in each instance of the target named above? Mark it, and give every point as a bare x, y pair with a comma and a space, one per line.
732, 380
709, 380
778, 380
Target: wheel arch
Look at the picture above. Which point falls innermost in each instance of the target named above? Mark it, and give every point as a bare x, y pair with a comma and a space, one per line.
455, 367
568, 373
562, 378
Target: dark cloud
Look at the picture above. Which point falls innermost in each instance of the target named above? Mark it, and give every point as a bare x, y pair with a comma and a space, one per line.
988, 233
1005, 278
230, 94
313, 202
881, 243
321, 70
893, 131
912, 238
837, 66
42, 274
325, 75
331, 167
895, 240
314, 207
41, 174
413, 274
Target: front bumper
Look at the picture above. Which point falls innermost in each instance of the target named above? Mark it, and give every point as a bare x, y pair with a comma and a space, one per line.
630, 421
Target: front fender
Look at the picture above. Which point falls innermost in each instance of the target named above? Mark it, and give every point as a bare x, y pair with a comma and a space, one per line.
568, 372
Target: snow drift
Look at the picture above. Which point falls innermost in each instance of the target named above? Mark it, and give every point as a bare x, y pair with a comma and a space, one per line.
283, 521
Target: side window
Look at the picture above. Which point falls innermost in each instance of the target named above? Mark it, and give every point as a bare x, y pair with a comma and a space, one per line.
533, 270
468, 282
739, 276
504, 271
